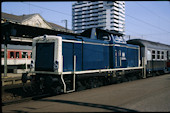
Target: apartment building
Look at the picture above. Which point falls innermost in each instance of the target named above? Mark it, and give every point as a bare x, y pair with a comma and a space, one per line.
107, 15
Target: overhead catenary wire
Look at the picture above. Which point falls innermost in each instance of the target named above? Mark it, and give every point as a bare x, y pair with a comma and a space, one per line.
157, 34
156, 27
125, 14
48, 9
69, 24
144, 34
151, 11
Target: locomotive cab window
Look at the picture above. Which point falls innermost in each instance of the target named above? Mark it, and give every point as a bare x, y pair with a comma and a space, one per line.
105, 38
118, 39
11, 54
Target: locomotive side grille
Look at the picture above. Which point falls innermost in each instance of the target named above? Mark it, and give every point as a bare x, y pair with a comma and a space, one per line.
44, 57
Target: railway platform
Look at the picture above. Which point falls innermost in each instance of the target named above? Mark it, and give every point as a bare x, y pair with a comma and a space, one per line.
144, 95
11, 75
11, 78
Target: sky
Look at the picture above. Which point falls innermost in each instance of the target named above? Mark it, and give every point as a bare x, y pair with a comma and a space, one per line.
149, 20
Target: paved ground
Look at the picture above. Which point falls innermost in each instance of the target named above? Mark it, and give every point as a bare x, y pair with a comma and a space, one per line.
151, 94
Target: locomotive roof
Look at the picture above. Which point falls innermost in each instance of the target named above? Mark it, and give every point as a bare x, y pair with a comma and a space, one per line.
87, 32
17, 47
148, 44
81, 38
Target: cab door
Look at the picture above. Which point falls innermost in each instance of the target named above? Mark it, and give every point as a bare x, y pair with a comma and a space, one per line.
118, 55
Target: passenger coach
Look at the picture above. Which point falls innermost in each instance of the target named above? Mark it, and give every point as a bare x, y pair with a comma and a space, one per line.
156, 55
17, 57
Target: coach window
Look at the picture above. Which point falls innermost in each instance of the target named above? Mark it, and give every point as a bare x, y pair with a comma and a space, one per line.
11, 54
17, 54
2, 54
153, 54
162, 55
24, 54
158, 55
168, 55
165, 55
149, 54
31, 54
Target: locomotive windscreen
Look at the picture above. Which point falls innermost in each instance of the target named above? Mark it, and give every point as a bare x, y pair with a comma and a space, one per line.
44, 57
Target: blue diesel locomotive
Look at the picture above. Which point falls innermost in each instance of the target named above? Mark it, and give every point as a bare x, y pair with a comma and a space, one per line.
66, 63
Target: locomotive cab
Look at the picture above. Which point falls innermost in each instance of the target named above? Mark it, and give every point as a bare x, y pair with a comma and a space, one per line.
47, 54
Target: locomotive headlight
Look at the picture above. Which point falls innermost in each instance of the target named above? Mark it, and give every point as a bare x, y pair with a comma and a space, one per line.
55, 65
32, 64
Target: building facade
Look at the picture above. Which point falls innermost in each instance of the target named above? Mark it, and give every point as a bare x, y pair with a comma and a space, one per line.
107, 15
35, 20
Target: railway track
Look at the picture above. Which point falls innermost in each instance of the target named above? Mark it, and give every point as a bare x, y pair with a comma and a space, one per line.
25, 99
15, 93
11, 80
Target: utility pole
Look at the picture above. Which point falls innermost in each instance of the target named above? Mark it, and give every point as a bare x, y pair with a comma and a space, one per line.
7, 39
26, 61
129, 37
65, 24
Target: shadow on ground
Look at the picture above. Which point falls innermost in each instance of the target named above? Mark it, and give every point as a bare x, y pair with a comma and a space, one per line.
101, 106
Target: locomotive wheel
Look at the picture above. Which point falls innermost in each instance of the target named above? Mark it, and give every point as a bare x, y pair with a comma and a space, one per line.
79, 86
100, 82
124, 79
56, 90
157, 73
93, 83
154, 74
118, 79
134, 78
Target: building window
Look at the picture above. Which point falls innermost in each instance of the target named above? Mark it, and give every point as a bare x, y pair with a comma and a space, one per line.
24, 54
11, 54
158, 54
17, 54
